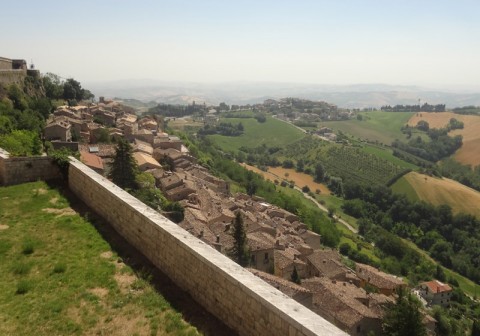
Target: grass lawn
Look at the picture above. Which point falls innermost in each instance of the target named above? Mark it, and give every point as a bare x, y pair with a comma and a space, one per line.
273, 132
383, 127
60, 277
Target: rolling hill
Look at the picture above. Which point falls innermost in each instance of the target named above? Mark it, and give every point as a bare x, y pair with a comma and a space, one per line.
469, 153
439, 191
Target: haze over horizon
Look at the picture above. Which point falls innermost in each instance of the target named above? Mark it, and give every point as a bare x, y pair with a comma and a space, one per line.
429, 43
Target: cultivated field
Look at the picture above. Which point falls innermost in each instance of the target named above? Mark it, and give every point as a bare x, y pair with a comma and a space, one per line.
469, 153
60, 277
273, 132
300, 179
383, 127
440, 191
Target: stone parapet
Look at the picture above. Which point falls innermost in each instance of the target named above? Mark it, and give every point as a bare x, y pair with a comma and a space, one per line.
237, 297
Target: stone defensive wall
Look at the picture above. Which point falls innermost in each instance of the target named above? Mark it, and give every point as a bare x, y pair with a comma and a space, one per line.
237, 297
12, 76
16, 170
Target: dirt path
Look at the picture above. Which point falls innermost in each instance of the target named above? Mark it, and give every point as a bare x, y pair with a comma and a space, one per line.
274, 174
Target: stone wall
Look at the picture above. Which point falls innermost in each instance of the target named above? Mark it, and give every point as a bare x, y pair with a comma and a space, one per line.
8, 77
237, 297
16, 170
5, 63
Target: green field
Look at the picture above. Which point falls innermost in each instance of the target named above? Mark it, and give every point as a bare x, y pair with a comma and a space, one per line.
273, 133
402, 186
60, 277
383, 127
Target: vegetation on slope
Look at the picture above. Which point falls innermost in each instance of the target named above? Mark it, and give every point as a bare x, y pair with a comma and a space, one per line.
59, 277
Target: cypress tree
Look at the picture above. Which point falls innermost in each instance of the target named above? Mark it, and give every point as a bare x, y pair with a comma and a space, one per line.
239, 251
124, 167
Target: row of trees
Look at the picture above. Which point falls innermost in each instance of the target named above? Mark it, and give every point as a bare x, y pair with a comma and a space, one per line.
70, 89
414, 108
451, 239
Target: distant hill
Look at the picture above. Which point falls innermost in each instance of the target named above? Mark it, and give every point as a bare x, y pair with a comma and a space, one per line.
348, 96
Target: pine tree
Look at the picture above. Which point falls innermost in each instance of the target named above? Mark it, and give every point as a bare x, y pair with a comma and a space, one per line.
295, 277
239, 251
404, 318
124, 167
476, 328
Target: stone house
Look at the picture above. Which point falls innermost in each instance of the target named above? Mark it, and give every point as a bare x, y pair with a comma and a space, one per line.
286, 260
436, 293
296, 292
146, 162
386, 284
261, 248
347, 306
58, 130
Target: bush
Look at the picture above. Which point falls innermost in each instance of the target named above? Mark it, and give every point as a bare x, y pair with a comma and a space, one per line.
27, 247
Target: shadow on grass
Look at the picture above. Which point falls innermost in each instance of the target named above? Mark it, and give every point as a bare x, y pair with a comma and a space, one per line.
180, 300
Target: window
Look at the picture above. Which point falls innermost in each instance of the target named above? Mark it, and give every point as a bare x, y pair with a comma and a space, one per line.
265, 259
359, 329
253, 258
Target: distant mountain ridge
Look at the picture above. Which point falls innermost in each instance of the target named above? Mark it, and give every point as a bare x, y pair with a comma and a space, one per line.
347, 96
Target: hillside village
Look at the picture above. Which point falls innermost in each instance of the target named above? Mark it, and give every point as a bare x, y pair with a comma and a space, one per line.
279, 244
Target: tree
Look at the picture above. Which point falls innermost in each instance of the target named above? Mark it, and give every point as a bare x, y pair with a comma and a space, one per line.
239, 250
476, 328
295, 277
319, 172
124, 167
404, 318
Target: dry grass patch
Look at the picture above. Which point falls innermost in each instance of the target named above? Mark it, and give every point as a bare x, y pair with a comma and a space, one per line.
300, 179
445, 191
61, 212
4, 226
469, 153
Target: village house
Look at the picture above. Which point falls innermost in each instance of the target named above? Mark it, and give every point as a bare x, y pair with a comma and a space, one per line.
58, 130
144, 135
327, 263
92, 161
296, 292
386, 284
261, 248
347, 306
286, 261
436, 293
145, 162
143, 147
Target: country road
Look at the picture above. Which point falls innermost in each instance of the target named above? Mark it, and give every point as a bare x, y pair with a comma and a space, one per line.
323, 208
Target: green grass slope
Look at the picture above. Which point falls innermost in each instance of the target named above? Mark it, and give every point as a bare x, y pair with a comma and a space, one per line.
402, 186
60, 277
273, 132
383, 127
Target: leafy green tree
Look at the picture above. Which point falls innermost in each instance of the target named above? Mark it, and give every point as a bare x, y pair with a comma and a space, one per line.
124, 167
295, 277
404, 318
21, 143
239, 250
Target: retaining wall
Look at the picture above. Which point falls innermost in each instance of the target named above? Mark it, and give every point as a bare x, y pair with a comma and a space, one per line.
237, 297
16, 170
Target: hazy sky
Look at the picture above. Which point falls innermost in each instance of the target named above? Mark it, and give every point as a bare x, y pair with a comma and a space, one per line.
426, 42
